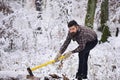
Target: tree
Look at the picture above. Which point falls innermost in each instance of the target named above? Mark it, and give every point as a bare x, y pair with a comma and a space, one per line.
89, 20
104, 18
117, 32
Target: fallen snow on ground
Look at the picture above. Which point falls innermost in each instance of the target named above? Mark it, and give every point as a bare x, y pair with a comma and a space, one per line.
103, 63
12, 75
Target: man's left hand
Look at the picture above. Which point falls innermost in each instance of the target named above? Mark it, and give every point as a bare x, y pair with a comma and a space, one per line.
68, 54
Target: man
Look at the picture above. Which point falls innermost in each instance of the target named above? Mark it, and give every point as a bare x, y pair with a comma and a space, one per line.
86, 38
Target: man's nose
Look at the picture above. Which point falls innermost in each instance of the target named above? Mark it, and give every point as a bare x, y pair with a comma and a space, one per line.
71, 31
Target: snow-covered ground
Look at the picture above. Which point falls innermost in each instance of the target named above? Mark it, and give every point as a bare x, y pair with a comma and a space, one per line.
22, 45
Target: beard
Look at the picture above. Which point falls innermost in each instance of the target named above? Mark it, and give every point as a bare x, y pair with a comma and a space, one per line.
73, 34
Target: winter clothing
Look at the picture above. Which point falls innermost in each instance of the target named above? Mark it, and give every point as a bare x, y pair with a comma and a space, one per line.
83, 58
68, 54
87, 39
82, 36
57, 57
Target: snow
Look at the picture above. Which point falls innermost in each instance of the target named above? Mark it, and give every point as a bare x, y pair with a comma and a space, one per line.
31, 47
12, 75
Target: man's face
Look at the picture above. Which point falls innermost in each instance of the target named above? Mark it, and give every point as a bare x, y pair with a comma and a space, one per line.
73, 30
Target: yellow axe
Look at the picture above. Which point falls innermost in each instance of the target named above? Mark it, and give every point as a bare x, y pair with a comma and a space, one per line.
42, 65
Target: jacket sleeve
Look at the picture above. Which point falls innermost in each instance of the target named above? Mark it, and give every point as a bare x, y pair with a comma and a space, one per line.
65, 45
81, 46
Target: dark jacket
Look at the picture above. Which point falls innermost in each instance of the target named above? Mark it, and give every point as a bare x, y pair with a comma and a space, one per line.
83, 36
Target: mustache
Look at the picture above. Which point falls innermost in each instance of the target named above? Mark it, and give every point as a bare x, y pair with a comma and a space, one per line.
73, 33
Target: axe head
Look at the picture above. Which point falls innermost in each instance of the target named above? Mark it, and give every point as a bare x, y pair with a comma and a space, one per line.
30, 71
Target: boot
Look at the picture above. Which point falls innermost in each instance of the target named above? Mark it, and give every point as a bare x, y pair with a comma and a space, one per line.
79, 78
84, 76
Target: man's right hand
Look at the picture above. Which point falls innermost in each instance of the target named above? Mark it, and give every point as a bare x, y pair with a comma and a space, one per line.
57, 57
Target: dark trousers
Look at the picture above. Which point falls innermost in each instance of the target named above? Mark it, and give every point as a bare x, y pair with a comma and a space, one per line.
83, 59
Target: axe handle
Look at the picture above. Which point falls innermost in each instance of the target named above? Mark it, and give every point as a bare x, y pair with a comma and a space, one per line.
46, 63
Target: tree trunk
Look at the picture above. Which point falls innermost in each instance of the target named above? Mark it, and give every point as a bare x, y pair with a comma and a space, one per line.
117, 32
104, 18
89, 20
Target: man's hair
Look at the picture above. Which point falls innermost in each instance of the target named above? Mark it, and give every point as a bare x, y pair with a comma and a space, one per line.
72, 23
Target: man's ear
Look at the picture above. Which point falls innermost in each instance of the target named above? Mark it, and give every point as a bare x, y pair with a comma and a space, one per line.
77, 27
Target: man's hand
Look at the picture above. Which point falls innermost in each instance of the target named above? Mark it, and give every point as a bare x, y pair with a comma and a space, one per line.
57, 57
68, 54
